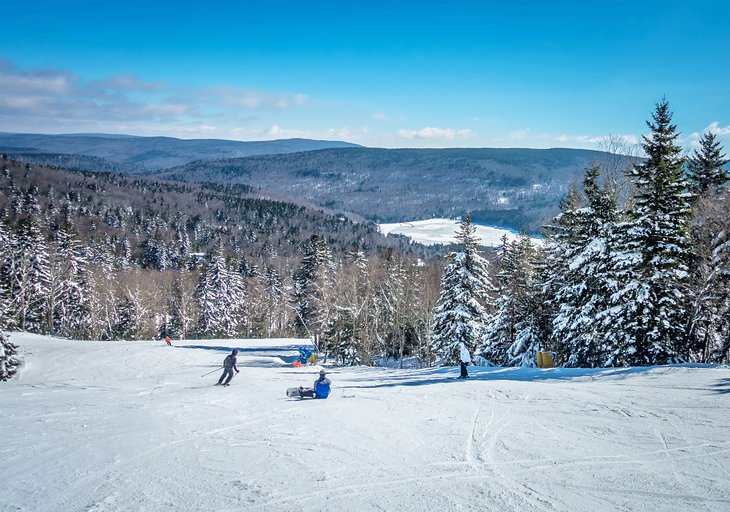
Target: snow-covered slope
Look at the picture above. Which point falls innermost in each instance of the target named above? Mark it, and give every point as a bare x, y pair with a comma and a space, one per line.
92, 426
442, 231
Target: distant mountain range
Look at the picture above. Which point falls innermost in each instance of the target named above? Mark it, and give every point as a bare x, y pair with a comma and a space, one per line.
132, 154
513, 188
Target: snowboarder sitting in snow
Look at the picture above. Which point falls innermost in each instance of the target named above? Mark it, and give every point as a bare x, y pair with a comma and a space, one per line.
229, 365
321, 388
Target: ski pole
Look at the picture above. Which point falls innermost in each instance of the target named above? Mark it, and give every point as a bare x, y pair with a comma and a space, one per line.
212, 371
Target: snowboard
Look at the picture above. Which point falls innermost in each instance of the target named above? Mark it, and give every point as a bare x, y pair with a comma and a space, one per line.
294, 393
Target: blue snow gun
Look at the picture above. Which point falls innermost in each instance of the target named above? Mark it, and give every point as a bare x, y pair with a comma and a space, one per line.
304, 354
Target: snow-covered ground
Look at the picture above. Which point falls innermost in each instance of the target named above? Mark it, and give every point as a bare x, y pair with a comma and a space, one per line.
102, 426
442, 231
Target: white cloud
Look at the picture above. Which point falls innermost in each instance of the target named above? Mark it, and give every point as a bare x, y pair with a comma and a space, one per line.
717, 129
277, 132
340, 133
379, 116
166, 109
20, 102
42, 81
57, 101
519, 134
256, 100
714, 127
596, 139
127, 83
430, 132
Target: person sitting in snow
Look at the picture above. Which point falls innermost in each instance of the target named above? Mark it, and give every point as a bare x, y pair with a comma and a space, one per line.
229, 365
464, 359
321, 388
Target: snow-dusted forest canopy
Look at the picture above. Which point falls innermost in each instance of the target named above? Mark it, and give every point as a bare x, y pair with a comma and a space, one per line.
633, 271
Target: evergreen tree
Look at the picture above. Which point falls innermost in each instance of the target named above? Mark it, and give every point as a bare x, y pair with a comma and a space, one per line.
274, 298
6, 275
646, 321
709, 292
179, 318
312, 290
220, 297
29, 279
130, 315
584, 275
513, 332
8, 360
528, 333
705, 166
389, 304
500, 326
71, 310
354, 301
460, 314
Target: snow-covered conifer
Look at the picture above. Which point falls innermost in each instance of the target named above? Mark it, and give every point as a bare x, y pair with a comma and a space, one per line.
71, 304
312, 289
130, 316
513, 334
583, 291
180, 306
645, 323
220, 297
705, 166
8, 360
30, 277
461, 314
709, 290
389, 304
6, 275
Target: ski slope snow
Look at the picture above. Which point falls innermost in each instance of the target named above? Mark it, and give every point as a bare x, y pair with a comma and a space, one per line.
132, 426
443, 231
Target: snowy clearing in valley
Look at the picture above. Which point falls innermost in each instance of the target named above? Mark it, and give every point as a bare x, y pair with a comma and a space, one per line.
102, 426
442, 231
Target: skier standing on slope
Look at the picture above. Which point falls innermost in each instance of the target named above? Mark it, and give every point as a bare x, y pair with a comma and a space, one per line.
229, 365
464, 359
321, 388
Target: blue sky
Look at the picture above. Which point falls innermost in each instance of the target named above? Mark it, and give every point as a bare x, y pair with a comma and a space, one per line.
390, 74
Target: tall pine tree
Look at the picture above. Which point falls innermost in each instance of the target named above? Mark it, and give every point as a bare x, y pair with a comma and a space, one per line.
313, 283
705, 166
645, 323
220, 297
584, 274
461, 314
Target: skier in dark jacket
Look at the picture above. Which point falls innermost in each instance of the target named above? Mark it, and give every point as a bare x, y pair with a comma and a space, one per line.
229, 365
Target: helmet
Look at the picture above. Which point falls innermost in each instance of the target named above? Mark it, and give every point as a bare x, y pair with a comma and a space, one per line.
235, 352
322, 372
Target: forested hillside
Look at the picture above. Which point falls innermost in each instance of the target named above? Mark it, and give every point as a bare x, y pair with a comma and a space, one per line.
106, 256
129, 154
515, 188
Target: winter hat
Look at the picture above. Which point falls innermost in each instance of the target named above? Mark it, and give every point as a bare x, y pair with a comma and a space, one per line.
322, 372
234, 352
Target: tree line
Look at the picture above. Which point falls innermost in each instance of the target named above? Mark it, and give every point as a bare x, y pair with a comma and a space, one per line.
622, 279
633, 271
